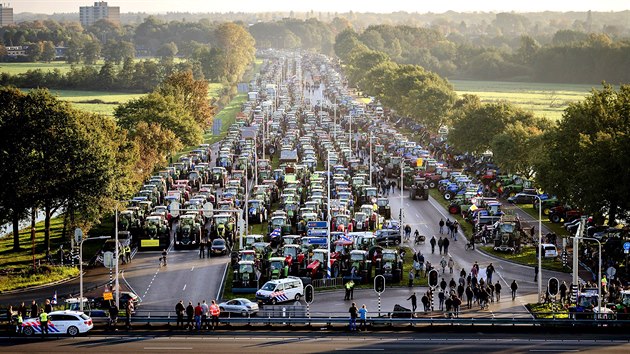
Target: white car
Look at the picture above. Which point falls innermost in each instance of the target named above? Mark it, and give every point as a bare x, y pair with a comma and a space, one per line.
239, 305
60, 322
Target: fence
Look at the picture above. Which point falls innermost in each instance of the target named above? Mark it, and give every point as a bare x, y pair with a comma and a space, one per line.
327, 283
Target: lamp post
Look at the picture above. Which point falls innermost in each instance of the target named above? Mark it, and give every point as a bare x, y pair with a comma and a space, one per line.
599, 273
539, 275
328, 213
402, 165
246, 213
116, 256
81, 267
370, 158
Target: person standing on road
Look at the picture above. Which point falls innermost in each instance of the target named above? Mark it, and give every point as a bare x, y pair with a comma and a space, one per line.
451, 264
454, 232
179, 310
362, 317
425, 302
22, 310
353, 317
441, 300
441, 225
198, 313
469, 296
440, 243
489, 272
215, 311
128, 312
514, 287
536, 272
190, 312
47, 306
43, 321
202, 246
433, 242
414, 302
445, 244
497, 290
113, 316
563, 292
204, 314
34, 309
460, 291
411, 276
443, 264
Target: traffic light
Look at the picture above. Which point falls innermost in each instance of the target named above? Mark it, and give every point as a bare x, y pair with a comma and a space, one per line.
309, 294
433, 278
553, 285
379, 283
431, 299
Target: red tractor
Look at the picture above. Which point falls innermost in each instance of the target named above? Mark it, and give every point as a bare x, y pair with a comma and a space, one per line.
563, 212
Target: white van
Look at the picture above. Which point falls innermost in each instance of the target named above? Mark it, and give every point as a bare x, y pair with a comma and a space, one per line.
280, 290
549, 250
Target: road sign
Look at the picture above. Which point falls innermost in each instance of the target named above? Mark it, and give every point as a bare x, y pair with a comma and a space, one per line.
108, 259
433, 278
317, 224
626, 246
553, 285
379, 284
611, 271
316, 232
309, 294
108, 295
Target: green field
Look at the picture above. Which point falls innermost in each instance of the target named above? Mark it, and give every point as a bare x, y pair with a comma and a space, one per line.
103, 102
548, 100
20, 68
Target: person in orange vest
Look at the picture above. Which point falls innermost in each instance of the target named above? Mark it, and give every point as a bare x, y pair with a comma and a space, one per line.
215, 312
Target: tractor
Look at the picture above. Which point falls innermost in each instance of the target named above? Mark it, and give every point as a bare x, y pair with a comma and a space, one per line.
245, 278
419, 189
389, 265
188, 232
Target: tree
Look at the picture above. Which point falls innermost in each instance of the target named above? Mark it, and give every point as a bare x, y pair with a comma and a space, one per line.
166, 111
192, 93
34, 51
3, 51
48, 51
167, 50
118, 51
154, 144
586, 158
91, 52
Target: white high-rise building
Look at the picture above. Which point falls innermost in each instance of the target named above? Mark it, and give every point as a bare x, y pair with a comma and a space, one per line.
6, 15
100, 11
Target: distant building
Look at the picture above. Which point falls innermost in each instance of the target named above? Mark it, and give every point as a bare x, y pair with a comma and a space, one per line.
17, 51
6, 15
90, 14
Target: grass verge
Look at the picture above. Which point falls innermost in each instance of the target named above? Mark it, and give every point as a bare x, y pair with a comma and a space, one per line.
44, 275
527, 257
547, 311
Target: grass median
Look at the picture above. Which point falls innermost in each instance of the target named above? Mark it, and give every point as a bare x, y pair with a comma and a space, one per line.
527, 257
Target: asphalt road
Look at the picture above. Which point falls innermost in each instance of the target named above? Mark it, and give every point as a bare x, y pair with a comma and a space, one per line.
313, 342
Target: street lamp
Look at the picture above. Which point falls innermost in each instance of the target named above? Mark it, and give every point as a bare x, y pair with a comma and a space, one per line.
81, 266
370, 158
599, 273
328, 213
246, 213
402, 165
539, 275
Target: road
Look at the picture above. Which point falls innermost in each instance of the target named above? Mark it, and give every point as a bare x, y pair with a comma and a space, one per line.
313, 342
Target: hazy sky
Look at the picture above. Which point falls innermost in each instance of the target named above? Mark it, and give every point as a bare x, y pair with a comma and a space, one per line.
152, 6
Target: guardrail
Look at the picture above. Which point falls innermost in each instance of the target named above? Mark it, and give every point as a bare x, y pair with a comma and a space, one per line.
327, 283
291, 316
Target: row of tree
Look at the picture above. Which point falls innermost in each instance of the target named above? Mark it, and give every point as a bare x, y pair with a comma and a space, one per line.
57, 158
583, 159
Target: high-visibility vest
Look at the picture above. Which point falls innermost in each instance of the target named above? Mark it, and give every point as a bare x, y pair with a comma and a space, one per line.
214, 310
43, 317
19, 319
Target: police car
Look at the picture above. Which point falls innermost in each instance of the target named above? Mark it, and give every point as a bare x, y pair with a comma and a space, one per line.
280, 290
60, 322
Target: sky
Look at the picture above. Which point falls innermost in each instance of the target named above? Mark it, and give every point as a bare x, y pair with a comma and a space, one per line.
386, 6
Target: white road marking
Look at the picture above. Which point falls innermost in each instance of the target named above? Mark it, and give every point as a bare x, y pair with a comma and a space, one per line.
193, 268
184, 289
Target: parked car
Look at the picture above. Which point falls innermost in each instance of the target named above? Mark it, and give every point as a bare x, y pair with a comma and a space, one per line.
239, 305
60, 322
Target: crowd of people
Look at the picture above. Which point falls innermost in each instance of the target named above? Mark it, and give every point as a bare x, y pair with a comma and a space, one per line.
200, 317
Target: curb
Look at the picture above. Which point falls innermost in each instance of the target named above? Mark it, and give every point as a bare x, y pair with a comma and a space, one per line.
38, 287
514, 262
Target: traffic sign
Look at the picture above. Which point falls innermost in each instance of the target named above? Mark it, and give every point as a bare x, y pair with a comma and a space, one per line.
626, 246
553, 285
317, 224
108, 295
309, 294
78, 235
316, 232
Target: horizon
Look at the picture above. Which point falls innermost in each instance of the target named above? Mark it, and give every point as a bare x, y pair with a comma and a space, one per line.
325, 6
